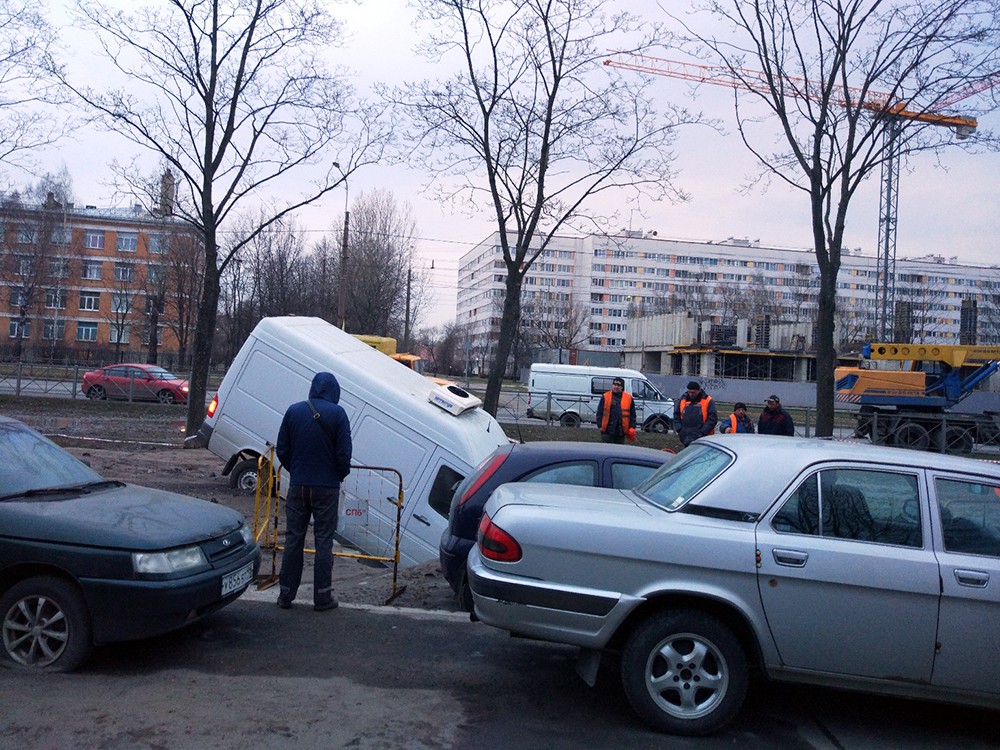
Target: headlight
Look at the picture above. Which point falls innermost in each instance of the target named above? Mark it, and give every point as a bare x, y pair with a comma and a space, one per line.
247, 534
174, 561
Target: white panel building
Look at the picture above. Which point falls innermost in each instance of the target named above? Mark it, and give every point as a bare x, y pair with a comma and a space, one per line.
599, 282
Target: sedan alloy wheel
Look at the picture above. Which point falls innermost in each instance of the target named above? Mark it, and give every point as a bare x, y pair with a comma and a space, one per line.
684, 672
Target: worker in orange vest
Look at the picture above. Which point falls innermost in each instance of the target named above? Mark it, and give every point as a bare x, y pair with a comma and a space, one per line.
616, 414
694, 414
739, 420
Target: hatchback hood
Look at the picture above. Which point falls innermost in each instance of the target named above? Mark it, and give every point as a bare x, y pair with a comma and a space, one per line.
126, 517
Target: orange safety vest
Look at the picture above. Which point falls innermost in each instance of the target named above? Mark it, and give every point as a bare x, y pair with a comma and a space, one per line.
626, 409
704, 409
732, 422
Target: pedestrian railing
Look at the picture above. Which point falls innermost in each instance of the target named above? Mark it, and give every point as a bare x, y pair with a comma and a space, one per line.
367, 518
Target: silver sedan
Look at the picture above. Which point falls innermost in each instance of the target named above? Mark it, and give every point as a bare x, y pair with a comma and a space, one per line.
814, 561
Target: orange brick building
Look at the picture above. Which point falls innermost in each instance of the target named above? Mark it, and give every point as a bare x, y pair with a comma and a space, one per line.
93, 285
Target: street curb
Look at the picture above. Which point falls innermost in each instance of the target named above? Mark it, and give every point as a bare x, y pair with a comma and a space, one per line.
304, 601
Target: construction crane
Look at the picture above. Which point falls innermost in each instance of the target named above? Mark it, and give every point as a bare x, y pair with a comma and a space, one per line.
896, 113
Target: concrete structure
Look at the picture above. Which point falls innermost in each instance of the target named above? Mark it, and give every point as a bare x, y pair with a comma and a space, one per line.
90, 285
732, 293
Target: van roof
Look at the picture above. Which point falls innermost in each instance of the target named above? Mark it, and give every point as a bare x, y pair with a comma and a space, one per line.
586, 370
402, 392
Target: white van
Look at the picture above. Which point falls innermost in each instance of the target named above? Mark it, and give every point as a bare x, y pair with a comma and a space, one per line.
433, 435
570, 393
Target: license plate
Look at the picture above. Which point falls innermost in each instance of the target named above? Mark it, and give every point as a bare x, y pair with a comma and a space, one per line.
237, 580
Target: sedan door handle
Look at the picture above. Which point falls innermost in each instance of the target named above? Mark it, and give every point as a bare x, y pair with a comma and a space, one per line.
422, 520
790, 558
974, 578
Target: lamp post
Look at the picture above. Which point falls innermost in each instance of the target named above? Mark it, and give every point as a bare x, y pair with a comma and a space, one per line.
341, 286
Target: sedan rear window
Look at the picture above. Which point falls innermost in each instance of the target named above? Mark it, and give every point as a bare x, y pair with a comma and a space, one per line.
678, 481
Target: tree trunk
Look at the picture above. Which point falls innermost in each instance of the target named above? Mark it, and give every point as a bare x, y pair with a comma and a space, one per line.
826, 354
508, 330
204, 336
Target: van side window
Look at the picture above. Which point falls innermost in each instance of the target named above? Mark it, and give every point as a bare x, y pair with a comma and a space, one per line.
600, 385
445, 482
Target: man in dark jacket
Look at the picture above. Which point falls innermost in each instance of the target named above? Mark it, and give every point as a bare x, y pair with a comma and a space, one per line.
774, 420
694, 415
314, 446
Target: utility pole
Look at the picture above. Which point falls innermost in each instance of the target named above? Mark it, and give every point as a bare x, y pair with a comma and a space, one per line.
342, 284
406, 324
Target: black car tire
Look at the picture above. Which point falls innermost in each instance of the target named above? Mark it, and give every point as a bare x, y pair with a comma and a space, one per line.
166, 397
244, 475
569, 419
697, 693
96, 393
46, 626
657, 425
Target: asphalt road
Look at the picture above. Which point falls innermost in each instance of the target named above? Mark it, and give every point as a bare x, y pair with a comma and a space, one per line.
256, 676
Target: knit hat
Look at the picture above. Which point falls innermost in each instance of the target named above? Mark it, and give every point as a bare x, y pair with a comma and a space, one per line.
694, 385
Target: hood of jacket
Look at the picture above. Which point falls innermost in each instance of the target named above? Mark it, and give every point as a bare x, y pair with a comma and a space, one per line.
325, 386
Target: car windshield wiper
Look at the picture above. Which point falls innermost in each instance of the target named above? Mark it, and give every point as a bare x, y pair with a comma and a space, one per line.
73, 488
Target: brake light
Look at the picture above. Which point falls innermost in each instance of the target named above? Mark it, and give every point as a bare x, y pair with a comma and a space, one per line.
484, 476
213, 405
497, 544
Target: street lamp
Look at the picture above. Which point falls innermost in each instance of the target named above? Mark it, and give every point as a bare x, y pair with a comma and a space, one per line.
341, 287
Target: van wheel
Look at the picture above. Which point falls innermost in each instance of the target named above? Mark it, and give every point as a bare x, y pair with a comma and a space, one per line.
569, 420
244, 475
657, 425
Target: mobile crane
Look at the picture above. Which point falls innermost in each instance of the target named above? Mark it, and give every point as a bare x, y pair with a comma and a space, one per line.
908, 406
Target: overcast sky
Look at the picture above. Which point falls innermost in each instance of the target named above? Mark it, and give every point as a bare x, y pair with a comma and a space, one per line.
950, 208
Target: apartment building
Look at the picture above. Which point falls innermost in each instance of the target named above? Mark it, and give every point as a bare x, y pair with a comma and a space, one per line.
612, 279
83, 284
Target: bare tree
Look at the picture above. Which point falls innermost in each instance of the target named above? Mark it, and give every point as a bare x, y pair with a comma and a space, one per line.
832, 77
535, 127
382, 246
185, 279
27, 43
555, 322
234, 97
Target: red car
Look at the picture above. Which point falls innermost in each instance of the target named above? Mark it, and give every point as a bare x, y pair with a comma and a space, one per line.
135, 383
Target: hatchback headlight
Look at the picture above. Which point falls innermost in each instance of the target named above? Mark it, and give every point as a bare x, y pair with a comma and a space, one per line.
247, 533
174, 561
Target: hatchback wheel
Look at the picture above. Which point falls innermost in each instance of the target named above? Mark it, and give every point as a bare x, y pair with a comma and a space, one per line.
684, 672
166, 397
45, 625
96, 393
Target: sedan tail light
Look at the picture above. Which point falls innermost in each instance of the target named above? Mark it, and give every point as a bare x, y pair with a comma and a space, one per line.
497, 544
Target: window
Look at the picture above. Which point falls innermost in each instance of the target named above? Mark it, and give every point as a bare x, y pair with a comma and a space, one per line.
86, 331
92, 269
93, 239
124, 272
90, 300
145, 335
685, 476
22, 265
157, 244
119, 333
625, 476
59, 268
155, 274
154, 304
18, 298
55, 299
20, 329
856, 504
121, 304
62, 236
970, 516
127, 242
583, 473
27, 235
445, 482
54, 330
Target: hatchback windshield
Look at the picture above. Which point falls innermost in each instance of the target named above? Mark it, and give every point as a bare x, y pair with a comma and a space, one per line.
676, 482
32, 462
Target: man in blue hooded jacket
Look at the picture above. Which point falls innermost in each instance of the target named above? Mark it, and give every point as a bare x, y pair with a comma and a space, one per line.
314, 446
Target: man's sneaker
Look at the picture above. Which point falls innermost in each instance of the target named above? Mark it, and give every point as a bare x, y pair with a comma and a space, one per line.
284, 603
324, 606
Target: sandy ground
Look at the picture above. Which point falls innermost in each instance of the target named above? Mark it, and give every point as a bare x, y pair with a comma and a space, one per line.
198, 472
